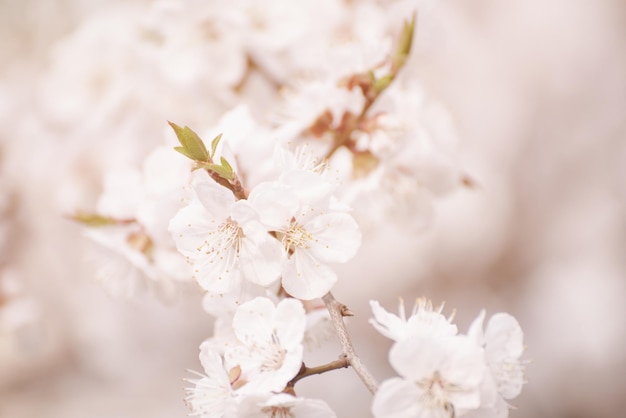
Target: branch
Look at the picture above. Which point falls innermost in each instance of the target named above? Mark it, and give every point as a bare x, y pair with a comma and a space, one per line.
341, 363
372, 88
337, 311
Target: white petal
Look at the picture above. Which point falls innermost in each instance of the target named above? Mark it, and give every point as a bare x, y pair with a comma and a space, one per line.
336, 237
504, 334
308, 186
396, 398
305, 278
217, 274
260, 262
213, 365
226, 303
242, 212
504, 347
275, 203
290, 320
388, 324
312, 408
253, 321
464, 359
475, 331
216, 199
457, 359
190, 227
416, 358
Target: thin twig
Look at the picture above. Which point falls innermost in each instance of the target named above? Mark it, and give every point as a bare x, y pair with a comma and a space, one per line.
341, 363
337, 311
371, 88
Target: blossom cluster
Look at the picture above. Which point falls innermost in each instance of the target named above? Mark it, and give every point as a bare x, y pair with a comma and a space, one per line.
259, 216
350, 148
289, 229
246, 373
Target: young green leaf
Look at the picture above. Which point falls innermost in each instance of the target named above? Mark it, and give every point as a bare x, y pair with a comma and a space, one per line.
405, 44
224, 172
214, 144
95, 220
192, 144
226, 165
184, 152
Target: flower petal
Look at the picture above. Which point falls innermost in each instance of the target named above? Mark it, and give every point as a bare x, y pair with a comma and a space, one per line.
275, 203
217, 200
253, 321
388, 324
305, 278
290, 320
337, 237
396, 398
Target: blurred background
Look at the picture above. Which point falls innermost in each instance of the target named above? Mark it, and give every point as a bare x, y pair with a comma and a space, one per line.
537, 90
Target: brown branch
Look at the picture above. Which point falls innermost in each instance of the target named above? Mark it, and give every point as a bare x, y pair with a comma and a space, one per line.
337, 311
341, 363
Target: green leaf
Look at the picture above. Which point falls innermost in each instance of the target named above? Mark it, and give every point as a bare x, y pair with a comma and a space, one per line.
93, 219
405, 44
184, 152
214, 144
224, 172
226, 165
192, 144
177, 130
406, 38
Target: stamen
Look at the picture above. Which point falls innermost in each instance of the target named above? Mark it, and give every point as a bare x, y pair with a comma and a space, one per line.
296, 237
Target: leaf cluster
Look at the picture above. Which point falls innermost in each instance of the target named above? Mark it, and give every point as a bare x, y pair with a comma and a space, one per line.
192, 147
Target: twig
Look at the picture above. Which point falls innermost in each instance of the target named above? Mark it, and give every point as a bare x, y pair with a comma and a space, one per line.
372, 88
341, 363
337, 311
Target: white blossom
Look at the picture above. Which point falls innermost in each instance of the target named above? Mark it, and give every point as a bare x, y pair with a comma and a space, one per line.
440, 377
413, 144
224, 240
270, 353
122, 259
311, 233
135, 250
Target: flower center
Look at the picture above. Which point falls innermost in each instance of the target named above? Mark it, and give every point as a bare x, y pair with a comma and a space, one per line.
296, 237
226, 237
274, 356
435, 394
